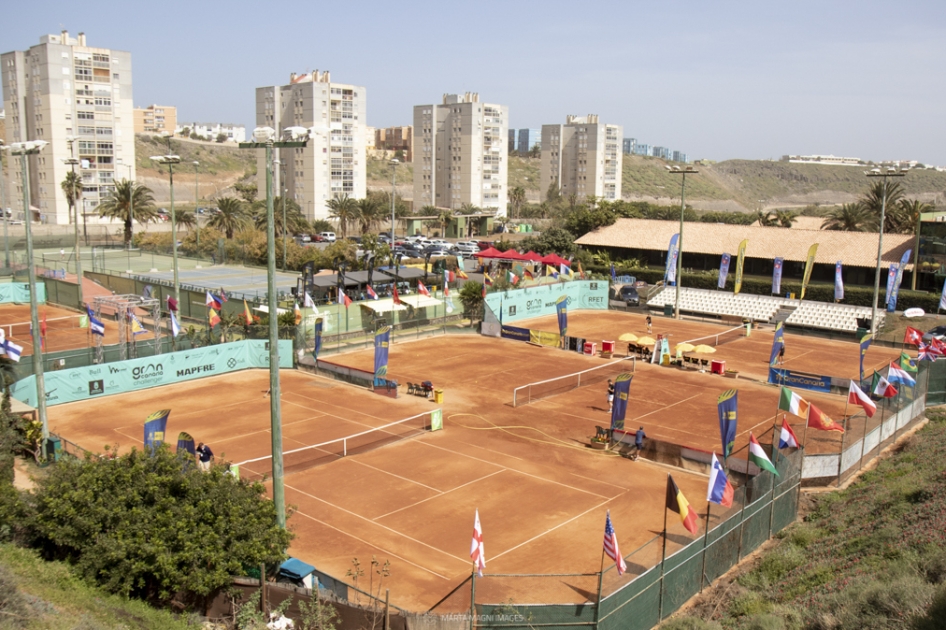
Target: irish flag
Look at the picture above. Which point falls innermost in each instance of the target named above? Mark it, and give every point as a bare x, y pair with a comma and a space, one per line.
792, 403
758, 457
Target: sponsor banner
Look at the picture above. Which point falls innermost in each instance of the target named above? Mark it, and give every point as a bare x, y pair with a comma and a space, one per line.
801, 380
536, 301
155, 427
670, 271
543, 338
519, 334
777, 276
723, 271
727, 406
838, 282
892, 300
82, 383
382, 339
622, 391
19, 292
891, 278
740, 260
809, 265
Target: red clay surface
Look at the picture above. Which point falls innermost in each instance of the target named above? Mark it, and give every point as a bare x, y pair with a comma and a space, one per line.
541, 492
62, 328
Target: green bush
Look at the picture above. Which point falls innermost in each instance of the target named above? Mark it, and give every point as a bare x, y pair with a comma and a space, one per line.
935, 617
690, 623
880, 604
780, 561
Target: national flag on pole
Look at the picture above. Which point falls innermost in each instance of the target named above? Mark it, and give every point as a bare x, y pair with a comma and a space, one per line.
371, 293
938, 346
792, 403
487, 280
395, 298
136, 327
343, 298
611, 547
758, 457
550, 271
97, 327
817, 419
213, 301
297, 312
42, 331
565, 270
913, 336
212, 316
720, 490
460, 272
422, 289
942, 298
307, 300
528, 275
446, 282
907, 363
856, 395
581, 272
12, 350
896, 375
477, 551
223, 295
172, 304
678, 503
175, 327
511, 277
247, 314
881, 387
786, 437
926, 353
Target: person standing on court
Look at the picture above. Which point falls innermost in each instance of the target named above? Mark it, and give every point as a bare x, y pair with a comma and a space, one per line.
610, 395
650, 324
205, 456
639, 442
781, 354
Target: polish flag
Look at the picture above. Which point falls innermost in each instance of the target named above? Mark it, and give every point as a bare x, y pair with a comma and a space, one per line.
856, 396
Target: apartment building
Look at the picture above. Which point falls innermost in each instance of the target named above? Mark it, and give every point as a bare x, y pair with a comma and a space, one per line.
528, 139
582, 157
396, 139
211, 130
333, 163
460, 153
62, 90
155, 119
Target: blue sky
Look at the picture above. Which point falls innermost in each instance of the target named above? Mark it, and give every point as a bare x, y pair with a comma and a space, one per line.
717, 80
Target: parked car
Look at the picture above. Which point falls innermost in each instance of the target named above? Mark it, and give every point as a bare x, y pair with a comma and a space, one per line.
629, 295
483, 245
306, 238
328, 237
938, 332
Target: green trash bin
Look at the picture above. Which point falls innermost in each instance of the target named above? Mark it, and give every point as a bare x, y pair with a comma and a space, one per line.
861, 332
53, 448
668, 310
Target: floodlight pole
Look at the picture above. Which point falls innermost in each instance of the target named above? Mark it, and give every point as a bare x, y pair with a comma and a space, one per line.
23, 150
683, 172
890, 172
3, 209
197, 203
72, 161
275, 412
394, 164
285, 191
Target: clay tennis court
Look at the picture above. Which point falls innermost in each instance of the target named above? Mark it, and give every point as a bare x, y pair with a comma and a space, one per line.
62, 328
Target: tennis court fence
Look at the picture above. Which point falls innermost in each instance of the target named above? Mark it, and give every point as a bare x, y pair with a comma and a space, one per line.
525, 394
22, 330
724, 337
307, 457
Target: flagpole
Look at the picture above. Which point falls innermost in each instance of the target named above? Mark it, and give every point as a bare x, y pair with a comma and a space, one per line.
841, 452
663, 558
705, 540
774, 480
745, 500
896, 422
601, 585
473, 597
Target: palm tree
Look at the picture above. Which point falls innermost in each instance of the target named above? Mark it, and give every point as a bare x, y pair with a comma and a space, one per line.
127, 198
873, 202
851, 217
345, 210
72, 187
517, 197
766, 219
185, 218
295, 222
785, 218
444, 216
370, 213
913, 210
231, 218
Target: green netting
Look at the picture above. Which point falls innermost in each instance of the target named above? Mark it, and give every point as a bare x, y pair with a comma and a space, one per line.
681, 579
551, 617
634, 607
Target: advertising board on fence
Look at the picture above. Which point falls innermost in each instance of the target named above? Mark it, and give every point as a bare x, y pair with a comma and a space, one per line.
19, 292
802, 380
83, 383
520, 304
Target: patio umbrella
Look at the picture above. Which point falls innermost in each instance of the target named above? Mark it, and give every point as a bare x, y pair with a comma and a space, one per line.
646, 341
628, 337
704, 349
684, 347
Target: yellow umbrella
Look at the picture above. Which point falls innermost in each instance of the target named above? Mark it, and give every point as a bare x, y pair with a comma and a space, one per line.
646, 341
684, 347
628, 337
704, 349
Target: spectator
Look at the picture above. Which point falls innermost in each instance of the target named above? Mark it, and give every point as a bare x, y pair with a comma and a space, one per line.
205, 456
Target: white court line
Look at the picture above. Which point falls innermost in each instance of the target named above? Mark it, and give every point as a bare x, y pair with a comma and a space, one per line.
326, 403
361, 540
465, 561
679, 402
439, 495
558, 483
396, 476
493, 558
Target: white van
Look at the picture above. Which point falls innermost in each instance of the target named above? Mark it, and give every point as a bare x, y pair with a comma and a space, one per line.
328, 237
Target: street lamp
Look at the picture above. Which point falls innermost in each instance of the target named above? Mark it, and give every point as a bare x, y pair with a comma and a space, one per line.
285, 228
265, 138
197, 203
394, 164
170, 161
885, 173
682, 172
24, 149
72, 161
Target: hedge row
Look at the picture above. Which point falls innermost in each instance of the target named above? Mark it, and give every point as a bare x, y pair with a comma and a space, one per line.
855, 296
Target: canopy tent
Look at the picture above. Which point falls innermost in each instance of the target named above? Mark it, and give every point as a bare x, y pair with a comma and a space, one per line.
555, 259
420, 301
329, 280
532, 256
403, 273
360, 277
20, 408
382, 306
489, 252
512, 254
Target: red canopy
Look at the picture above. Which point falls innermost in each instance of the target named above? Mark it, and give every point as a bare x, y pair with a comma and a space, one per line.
489, 252
555, 259
512, 254
531, 255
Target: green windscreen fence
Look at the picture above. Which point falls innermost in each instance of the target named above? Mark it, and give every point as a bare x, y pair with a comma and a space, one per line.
19, 292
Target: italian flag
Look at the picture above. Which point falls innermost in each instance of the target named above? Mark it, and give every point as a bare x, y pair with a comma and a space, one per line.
758, 457
792, 403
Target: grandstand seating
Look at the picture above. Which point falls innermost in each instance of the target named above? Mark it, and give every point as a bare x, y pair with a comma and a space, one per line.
763, 308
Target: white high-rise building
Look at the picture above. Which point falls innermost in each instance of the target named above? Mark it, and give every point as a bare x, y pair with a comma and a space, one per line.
460, 154
583, 157
333, 164
63, 89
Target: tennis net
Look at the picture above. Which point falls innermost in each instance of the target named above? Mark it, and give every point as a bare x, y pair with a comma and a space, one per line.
51, 259
21, 330
307, 457
552, 387
724, 337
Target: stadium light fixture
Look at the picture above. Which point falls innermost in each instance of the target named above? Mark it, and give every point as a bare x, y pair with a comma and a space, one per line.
25, 149
170, 160
885, 173
682, 172
265, 138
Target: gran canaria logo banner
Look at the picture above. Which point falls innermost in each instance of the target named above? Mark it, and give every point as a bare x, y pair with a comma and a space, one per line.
382, 340
622, 391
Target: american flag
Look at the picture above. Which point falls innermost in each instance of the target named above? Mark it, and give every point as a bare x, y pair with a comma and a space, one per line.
477, 551
928, 352
611, 545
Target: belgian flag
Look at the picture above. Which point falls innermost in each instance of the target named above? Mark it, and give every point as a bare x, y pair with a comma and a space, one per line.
679, 504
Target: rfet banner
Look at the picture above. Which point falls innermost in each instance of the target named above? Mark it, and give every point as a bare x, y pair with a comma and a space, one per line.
83, 383
535, 301
19, 292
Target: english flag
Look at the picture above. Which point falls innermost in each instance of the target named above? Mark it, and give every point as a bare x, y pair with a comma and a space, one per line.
913, 336
786, 438
477, 551
371, 293
422, 289
611, 545
720, 490
856, 395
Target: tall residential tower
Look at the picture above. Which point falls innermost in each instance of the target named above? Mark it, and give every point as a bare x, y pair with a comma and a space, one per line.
582, 157
333, 163
62, 90
460, 154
